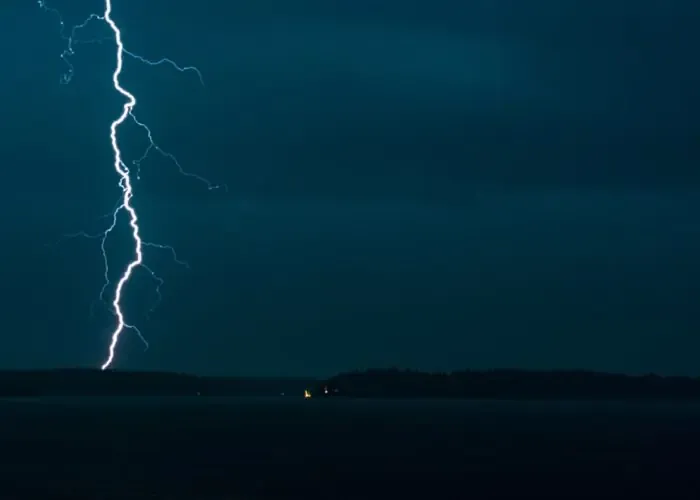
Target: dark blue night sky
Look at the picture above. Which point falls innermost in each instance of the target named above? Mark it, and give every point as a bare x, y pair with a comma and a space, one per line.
432, 184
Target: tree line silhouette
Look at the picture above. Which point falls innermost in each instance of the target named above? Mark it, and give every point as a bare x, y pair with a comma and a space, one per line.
376, 383
87, 382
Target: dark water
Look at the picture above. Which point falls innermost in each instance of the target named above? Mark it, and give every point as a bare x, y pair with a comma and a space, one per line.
287, 448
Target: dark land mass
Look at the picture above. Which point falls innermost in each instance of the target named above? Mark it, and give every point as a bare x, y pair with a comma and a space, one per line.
87, 382
386, 384
507, 384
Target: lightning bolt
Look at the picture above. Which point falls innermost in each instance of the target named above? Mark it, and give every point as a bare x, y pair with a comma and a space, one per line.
125, 178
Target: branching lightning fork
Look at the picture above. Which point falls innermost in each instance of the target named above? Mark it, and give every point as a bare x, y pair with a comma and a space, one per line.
125, 177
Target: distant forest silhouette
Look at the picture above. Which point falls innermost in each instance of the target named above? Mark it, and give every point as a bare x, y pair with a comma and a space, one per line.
87, 382
506, 384
389, 383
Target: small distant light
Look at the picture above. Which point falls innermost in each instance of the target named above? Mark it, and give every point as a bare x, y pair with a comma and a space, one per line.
307, 394
325, 390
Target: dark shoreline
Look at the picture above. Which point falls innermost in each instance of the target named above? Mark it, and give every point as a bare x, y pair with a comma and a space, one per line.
91, 382
383, 384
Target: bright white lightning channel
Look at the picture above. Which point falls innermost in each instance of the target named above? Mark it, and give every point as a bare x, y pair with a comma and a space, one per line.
125, 177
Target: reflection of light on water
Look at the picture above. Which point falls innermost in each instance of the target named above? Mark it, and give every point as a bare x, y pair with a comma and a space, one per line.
307, 394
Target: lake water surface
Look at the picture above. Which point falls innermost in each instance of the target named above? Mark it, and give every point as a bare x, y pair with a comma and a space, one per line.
202, 448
